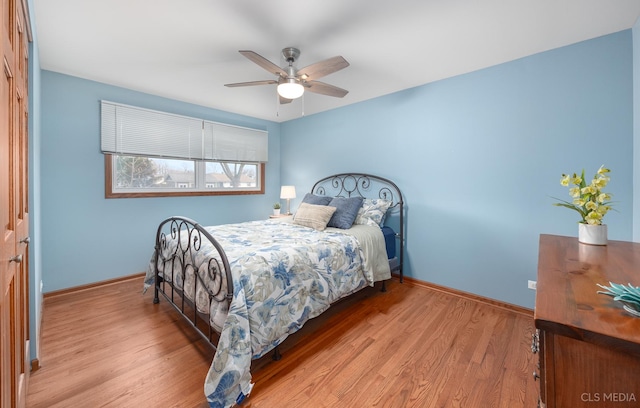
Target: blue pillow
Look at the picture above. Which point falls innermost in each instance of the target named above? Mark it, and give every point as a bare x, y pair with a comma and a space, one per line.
316, 200
346, 211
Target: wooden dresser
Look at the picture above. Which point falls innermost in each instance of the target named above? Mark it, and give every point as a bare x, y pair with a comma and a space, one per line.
589, 347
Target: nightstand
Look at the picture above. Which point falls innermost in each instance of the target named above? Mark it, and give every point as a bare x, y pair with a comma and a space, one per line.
283, 216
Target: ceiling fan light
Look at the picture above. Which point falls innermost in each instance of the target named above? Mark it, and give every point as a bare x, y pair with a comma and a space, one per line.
290, 89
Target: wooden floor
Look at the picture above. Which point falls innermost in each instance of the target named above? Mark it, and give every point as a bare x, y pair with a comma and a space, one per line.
111, 346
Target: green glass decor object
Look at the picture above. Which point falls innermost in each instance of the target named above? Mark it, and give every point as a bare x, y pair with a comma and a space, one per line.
628, 295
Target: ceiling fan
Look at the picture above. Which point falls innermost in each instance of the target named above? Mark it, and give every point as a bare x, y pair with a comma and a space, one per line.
291, 81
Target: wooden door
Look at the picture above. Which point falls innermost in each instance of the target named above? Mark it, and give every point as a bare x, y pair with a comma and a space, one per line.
14, 213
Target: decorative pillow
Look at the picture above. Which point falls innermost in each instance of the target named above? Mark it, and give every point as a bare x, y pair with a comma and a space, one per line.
314, 216
372, 212
346, 211
317, 200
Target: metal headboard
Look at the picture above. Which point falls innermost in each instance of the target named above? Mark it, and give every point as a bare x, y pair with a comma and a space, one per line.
366, 186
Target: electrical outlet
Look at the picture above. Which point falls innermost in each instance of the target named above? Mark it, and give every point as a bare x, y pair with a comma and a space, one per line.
531, 284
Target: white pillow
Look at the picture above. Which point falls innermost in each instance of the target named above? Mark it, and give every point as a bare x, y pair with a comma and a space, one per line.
372, 212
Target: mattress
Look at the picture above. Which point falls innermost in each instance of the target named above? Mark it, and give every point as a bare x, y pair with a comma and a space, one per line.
390, 241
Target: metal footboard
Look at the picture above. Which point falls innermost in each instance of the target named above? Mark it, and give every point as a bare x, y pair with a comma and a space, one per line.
191, 270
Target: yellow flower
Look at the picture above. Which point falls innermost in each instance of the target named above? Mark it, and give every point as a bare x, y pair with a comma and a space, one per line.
588, 199
589, 190
574, 192
594, 218
576, 179
600, 182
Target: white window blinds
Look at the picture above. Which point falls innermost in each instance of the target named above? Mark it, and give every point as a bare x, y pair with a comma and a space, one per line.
136, 131
235, 144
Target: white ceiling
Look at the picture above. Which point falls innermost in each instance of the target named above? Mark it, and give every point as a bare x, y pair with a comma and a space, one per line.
188, 49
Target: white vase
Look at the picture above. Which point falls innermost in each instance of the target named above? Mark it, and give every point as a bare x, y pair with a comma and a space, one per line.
592, 234
276, 211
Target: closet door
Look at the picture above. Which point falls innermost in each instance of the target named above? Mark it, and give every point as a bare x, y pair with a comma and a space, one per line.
14, 216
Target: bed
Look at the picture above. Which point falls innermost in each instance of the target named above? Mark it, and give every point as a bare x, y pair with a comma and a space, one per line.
245, 287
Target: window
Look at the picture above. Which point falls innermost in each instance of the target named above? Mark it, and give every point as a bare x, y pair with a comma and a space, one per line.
137, 176
150, 153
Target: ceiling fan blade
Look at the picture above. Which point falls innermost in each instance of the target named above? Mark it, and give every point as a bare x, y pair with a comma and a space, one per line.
325, 89
284, 100
252, 83
322, 68
264, 63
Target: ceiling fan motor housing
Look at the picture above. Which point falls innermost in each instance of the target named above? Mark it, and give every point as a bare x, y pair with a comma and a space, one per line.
290, 54
291, 72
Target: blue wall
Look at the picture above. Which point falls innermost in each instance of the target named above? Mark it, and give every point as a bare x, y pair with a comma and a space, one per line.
479, 155
87, 238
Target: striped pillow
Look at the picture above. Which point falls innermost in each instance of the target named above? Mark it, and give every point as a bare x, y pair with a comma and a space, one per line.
314, 216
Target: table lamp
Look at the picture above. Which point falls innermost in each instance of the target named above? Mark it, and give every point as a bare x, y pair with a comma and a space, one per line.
288, 192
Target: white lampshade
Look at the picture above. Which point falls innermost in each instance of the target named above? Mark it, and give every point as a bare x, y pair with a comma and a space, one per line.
288, 192
290, 89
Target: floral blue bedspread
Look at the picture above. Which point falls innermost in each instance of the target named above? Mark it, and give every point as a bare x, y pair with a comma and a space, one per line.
283, 275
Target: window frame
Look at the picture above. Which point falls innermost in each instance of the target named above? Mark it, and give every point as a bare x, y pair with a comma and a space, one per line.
110, 193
